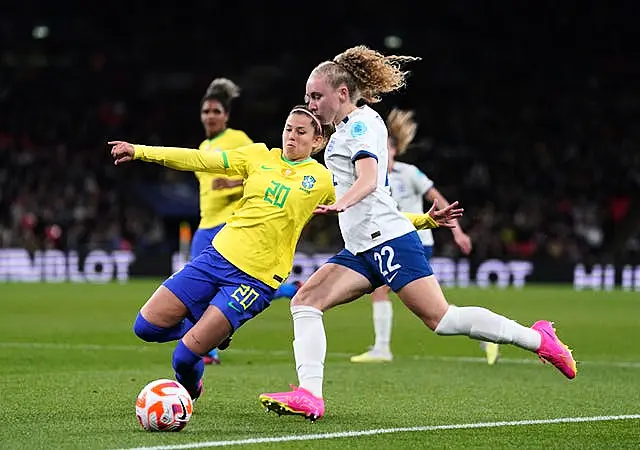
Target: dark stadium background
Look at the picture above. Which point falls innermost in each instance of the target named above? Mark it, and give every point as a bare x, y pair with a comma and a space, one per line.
529, 115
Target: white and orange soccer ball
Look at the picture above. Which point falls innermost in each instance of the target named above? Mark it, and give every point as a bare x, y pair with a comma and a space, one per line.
164, 405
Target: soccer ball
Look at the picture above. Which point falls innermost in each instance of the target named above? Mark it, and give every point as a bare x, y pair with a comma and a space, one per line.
164, 405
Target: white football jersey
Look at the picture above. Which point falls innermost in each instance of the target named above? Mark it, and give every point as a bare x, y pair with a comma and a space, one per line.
408, 186
376, 218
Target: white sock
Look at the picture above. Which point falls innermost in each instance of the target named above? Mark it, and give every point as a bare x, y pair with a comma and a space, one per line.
482, 324
309, 347
382, 320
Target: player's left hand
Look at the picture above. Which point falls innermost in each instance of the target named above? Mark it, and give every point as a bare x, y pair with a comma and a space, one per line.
445, 217
463, 241
121, 152
329, 209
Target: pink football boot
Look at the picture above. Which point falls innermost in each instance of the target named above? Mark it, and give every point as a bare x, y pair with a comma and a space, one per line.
553, 350
297, 402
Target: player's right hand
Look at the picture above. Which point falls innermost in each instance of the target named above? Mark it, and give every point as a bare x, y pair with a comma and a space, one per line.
121, 152
225, 183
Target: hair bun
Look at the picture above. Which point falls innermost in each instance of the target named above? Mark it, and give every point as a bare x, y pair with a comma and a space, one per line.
223, 87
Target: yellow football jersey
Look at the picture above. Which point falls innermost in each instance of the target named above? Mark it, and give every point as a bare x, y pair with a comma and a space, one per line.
217, 205
278, 200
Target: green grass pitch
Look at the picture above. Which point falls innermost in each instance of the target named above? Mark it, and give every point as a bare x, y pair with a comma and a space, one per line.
71, 367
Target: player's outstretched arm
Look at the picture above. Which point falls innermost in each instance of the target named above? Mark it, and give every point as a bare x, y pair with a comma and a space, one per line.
175, 158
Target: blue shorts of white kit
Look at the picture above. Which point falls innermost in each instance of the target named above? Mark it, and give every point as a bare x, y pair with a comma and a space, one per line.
202, 239
210, 279
395, 263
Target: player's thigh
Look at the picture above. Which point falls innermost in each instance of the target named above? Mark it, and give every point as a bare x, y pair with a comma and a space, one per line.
425, 299
331, 285
381, 294
212, 328
163, 308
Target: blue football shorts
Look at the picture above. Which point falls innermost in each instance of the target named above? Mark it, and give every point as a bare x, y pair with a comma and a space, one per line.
210, 279
395, 263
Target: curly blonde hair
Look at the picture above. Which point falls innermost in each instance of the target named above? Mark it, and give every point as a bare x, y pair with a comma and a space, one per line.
222, 89
402, 129
367, 73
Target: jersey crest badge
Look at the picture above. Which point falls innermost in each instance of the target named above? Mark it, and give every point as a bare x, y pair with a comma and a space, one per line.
308, 181
358, 129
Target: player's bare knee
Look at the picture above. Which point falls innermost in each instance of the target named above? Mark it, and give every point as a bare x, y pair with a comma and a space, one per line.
158, 317
163, 308
431, 317
435, 316
431, 322
306, 297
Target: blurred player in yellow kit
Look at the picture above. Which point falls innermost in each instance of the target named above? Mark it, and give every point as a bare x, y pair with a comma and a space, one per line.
219, 194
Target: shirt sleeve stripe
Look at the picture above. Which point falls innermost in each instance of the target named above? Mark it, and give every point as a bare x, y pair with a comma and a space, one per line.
363, 154
225, 160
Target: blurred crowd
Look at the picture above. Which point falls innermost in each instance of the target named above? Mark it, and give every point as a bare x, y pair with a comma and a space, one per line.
536, 134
